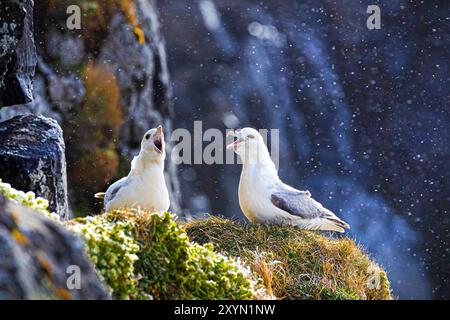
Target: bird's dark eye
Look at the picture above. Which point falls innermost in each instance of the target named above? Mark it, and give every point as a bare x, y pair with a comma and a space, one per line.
251, 136
147, 136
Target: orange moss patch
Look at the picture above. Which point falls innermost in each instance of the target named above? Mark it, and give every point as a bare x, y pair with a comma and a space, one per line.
102, 101
128, 8
62, 294
93, 134
19, 237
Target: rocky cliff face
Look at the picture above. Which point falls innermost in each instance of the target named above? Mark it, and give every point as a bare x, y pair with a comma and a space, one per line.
108, 42
17, 52
143, 77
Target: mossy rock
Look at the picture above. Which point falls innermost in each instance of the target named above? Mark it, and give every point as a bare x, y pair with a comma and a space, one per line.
294, 263
143, 255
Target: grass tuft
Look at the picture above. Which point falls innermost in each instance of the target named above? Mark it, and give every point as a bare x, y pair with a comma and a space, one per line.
294, 263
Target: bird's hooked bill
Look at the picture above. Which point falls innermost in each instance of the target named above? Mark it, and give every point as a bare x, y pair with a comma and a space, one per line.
235, 143
158, 139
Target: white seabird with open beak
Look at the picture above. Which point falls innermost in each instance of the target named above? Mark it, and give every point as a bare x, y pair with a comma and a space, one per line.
145, 186
265, 199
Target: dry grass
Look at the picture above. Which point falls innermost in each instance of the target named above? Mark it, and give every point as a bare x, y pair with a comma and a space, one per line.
294, 263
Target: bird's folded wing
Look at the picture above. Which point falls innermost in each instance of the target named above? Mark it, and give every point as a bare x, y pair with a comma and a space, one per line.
300, 203
114, 189
296, 202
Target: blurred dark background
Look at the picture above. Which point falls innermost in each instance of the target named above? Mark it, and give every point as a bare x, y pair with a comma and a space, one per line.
363, 114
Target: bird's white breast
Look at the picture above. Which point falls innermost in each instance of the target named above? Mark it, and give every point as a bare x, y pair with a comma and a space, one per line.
147, 191
254, 196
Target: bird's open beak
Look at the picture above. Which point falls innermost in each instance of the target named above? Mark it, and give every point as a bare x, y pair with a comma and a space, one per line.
158, 140
234, 144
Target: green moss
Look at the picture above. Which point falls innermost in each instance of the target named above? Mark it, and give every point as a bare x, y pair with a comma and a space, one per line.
28, 199
142, 255
294, 263
337, 294
112, 249
172, 267
210, 275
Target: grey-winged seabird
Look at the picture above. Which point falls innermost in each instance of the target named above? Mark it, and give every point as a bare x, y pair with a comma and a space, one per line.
145, 186
265, 199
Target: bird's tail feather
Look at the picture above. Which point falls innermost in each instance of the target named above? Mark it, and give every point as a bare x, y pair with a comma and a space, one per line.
333, 227
327, 225
324, 224
338, 222
100, 195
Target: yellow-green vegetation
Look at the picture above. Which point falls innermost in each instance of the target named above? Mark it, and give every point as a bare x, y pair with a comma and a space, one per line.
92, 134
294, 263
142, 255
113, 251
28, 199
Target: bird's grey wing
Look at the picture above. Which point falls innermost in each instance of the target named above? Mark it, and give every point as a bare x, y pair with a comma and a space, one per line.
113, 189
300, 203
295, 202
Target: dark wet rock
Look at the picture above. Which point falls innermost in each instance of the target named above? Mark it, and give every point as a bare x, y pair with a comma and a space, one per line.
65, 92
17, 52
54, 95
32, 158
38, 256
40, 103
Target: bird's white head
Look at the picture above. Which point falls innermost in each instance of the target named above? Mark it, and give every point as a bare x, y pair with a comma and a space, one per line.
153, 144
250, 146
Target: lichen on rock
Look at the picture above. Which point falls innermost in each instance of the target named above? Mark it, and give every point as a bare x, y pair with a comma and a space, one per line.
36, 254
32, 157
17, 52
